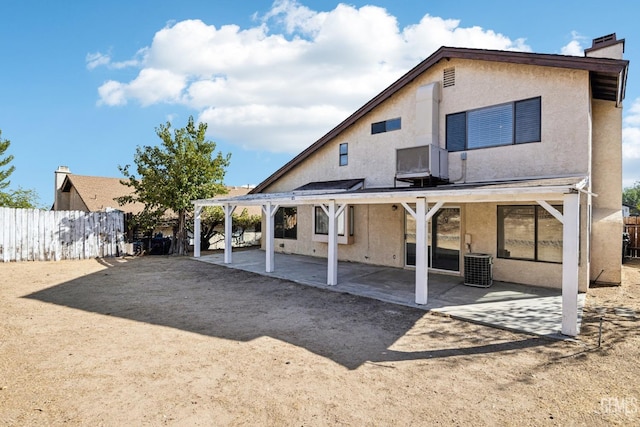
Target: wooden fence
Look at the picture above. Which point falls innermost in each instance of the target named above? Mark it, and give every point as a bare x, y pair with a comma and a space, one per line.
39, 235
632, 226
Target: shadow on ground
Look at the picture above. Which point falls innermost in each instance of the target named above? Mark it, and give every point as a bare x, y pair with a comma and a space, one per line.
237, 305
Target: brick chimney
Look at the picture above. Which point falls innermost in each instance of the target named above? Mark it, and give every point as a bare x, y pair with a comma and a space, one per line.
60, 174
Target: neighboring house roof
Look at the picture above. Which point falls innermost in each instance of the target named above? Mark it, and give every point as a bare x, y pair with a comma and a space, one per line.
98, 193
241, 191
608, 80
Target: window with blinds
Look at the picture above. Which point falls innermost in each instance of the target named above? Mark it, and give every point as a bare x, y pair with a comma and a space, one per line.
505, 124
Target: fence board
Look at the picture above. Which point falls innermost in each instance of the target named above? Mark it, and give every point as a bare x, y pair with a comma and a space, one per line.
3, 225
32, 234
11, 241
632, 227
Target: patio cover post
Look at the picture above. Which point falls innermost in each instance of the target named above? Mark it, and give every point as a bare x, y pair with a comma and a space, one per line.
422, 217
570, 259
269, 213
332, 256
422, 271
332, 250
228, 231
196, 231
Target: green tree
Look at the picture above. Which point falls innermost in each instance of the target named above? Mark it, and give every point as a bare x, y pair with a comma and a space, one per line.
631, 197
5, 169
212, 217
20, 198
246, 221
183, 168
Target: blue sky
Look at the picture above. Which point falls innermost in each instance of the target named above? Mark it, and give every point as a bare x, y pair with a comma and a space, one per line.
82, 83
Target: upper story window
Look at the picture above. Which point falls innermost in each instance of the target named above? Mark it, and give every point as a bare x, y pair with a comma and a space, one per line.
286, 223
505, 124
386, 126
344, 154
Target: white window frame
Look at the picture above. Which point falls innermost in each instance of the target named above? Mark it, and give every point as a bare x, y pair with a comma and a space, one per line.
345, 222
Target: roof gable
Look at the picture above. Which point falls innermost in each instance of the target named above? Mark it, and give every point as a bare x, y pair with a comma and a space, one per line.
98, 193
608, 79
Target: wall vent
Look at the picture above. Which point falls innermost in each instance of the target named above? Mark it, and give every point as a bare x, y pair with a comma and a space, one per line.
449, 77
478, 270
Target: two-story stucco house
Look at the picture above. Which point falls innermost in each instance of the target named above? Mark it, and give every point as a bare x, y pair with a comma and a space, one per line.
515, 156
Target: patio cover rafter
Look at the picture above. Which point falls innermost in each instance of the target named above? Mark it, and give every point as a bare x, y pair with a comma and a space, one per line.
551, 189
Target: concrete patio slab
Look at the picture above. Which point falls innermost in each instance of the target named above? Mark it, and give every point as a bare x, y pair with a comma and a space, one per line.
504, 305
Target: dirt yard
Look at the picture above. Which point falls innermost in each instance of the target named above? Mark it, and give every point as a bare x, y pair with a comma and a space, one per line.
172, 341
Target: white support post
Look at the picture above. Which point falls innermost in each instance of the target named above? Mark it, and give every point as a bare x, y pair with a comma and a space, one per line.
269, 213
196, 231
332, 255
570, 266
228, 231
422, 270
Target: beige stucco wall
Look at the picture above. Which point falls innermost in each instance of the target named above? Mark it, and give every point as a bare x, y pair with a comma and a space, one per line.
607, 225
567, 132
481, 223
378, 236
565, 128
565, 120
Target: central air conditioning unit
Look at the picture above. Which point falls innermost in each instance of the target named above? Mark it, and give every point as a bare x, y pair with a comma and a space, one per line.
422, 165
478, 270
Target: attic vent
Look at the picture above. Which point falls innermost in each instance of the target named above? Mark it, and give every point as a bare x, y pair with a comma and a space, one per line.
603, 39
449, 77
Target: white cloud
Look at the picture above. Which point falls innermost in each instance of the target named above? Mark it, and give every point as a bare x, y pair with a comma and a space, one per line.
574, 47
294, 125
112, 93
150, 87
281, 84
100, 59
156, 85
97, 59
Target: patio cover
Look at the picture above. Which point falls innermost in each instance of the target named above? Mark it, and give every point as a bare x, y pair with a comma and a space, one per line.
427, 201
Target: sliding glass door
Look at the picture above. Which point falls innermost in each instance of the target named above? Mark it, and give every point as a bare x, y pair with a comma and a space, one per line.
444, 240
